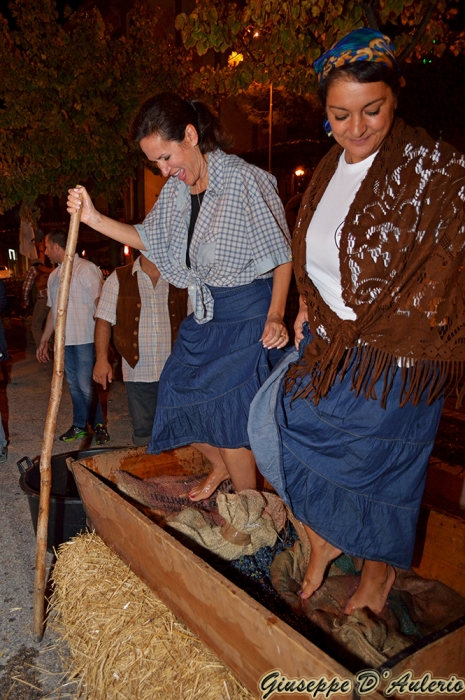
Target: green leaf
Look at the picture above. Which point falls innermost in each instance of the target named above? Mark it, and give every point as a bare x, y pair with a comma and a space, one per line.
181, 20
201, 47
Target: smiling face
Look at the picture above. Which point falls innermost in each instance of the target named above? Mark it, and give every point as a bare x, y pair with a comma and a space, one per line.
360, 115
183, 160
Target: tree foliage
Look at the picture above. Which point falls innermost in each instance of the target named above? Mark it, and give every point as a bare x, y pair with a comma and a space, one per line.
68, 91
289, 109
279, 40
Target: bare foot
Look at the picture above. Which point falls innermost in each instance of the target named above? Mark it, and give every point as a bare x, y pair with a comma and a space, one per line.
322, 554
210, 484
376, 582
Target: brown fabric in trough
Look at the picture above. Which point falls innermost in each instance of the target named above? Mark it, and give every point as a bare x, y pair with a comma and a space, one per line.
427, 606
167, 493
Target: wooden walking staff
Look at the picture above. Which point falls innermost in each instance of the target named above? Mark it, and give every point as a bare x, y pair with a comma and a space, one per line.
50, 427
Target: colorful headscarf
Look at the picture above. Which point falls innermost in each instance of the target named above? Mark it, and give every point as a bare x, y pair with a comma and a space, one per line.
360, 45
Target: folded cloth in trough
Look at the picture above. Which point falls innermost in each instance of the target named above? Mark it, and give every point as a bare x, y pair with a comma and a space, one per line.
252, 519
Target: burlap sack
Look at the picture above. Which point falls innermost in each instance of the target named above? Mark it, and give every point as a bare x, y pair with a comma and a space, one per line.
252, 520
416, 606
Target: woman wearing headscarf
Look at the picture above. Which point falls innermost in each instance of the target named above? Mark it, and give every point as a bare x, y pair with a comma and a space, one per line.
344, 428
219, 229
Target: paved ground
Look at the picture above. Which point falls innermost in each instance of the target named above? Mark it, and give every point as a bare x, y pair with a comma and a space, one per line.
29, 670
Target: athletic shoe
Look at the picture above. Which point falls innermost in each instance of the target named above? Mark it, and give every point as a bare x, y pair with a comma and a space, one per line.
3, 454
101, 435
73, 434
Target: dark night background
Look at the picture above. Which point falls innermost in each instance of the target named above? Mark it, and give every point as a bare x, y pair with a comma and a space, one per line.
434, 96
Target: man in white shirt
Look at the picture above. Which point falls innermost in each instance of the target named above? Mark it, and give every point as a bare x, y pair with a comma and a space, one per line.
84, 292
145, 313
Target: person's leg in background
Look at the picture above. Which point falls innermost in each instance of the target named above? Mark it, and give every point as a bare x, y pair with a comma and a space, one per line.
142, 404
3, 443
79, 362
79, 406
85, 356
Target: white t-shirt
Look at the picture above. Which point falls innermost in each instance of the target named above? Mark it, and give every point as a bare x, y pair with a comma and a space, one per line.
324, 232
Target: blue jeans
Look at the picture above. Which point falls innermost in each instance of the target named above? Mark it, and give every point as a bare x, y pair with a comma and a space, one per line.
79, 364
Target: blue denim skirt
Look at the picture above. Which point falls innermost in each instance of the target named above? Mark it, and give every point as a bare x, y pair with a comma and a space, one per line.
214, 371
353, 471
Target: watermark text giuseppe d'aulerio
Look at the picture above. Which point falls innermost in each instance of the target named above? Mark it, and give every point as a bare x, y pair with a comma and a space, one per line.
364, 682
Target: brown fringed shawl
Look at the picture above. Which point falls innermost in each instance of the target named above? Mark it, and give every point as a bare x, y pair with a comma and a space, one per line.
402, 270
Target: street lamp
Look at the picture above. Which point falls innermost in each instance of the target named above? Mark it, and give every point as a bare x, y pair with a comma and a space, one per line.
297, 180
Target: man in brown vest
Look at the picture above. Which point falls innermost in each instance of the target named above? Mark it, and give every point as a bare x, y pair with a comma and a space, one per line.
145, 313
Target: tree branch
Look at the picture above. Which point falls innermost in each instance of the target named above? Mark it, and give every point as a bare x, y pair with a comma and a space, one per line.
418, 34
369, 10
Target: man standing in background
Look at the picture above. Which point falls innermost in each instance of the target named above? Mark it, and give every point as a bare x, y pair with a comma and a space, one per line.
84, 292
37, 276
145, 312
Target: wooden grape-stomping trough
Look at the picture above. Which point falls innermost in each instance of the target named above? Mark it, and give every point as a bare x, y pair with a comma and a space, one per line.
248, 638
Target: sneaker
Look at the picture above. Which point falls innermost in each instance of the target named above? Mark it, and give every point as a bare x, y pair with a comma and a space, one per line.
73, 434
3, 454
101, 435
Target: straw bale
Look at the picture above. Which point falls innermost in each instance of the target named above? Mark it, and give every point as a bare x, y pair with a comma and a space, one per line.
125, 644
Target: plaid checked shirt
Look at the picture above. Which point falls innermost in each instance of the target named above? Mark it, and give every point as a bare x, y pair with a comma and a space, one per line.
28, 283
154, 324
85, 287
241, 232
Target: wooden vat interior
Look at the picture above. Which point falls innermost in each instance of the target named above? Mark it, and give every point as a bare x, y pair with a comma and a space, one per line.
137, 462
248, 638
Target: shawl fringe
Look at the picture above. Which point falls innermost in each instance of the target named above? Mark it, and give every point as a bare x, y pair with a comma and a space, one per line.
368, 365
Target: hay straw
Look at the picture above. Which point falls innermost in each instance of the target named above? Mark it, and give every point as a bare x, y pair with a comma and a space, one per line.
125, 643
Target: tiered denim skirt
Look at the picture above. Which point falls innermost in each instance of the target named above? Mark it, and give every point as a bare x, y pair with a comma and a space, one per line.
353, 471
214, 371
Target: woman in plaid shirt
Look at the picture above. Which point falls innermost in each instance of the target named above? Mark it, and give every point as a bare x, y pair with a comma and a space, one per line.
219, 229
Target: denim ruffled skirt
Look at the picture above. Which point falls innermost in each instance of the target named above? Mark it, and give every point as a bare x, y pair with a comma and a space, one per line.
353, 471
214, 371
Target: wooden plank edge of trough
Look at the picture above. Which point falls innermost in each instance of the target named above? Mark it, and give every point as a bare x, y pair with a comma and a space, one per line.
132, 459
249, 639
442, 654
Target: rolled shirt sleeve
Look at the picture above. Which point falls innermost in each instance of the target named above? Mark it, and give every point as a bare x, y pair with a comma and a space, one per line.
106, 309
140, 228
268, 233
